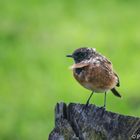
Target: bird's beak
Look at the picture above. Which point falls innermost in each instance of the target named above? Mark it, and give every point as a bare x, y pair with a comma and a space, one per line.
69, 55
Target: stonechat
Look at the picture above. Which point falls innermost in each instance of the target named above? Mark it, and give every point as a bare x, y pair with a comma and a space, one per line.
94, 72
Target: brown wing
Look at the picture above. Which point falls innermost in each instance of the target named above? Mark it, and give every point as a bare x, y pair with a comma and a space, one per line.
108, 66
118, 84
101, 73
103, 60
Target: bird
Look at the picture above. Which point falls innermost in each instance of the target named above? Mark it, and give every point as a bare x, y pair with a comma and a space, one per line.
94, 72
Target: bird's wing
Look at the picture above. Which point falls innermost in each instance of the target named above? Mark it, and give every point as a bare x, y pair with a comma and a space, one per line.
108, 66
118, 83
103, 62
103, 59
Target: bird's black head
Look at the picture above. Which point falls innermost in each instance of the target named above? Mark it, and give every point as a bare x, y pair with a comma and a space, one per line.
82, 54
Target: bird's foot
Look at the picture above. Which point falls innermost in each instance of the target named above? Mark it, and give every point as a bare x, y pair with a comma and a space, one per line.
103, 107
85, 106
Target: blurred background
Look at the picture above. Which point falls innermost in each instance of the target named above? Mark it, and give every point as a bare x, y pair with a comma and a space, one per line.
35, 36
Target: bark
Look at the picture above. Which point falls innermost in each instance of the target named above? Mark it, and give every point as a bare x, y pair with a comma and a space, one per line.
77, 122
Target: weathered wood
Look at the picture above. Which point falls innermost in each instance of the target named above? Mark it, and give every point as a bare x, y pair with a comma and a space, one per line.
75, 122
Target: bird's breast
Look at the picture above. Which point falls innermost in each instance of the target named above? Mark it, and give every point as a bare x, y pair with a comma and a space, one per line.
95, 79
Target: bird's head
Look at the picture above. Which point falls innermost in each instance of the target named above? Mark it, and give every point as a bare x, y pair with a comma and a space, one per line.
81, 54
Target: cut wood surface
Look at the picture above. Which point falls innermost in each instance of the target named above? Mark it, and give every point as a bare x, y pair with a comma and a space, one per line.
75, 122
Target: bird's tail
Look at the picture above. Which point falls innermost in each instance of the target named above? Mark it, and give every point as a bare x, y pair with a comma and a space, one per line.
115, 92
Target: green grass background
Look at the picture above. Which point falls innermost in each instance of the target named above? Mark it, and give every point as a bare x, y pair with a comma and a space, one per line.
35, 36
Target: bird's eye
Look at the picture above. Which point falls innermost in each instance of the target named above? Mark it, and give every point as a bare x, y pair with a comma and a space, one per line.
81, 54
85, 54
78, 54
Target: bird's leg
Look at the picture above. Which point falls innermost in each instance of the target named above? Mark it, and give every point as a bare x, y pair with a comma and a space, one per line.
89, 99
105, 101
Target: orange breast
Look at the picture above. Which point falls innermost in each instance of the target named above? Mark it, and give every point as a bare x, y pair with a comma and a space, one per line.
96, 79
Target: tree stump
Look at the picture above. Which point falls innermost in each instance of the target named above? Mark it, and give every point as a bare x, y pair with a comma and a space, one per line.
75, 122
